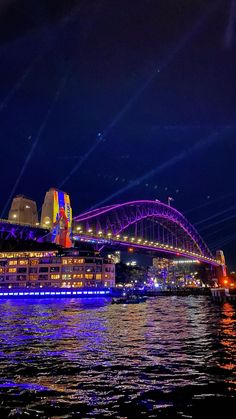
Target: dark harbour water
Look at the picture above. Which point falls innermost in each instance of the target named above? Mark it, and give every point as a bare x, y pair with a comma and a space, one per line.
170, 357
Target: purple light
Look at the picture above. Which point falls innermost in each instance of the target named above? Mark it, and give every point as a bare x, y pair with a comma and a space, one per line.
155, 209
53, 293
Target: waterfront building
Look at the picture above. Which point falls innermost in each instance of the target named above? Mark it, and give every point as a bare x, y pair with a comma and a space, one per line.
38, 269
23, 211
175, 273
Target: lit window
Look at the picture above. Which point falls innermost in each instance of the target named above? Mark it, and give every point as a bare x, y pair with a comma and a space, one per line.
67, 261
78, 261
34, 262
77, 284
12, 262
98, 276
33, 277
12, 270
66, 276
55, 276
23, 262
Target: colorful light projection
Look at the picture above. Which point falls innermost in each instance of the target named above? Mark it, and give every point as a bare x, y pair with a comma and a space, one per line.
62, 219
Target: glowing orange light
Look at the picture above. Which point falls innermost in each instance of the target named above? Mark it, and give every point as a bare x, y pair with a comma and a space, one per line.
130, 249
226, 281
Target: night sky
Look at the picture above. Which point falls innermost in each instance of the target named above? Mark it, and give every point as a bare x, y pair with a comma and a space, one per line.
116, 100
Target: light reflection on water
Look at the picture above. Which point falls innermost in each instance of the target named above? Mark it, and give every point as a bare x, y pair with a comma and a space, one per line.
169, 357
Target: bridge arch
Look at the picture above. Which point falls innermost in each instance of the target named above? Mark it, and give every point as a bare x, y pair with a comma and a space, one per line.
172, 229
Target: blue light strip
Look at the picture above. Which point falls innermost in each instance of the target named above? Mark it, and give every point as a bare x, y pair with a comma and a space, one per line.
53, 293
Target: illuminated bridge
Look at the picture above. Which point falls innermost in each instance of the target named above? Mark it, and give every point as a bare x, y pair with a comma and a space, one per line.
148, 225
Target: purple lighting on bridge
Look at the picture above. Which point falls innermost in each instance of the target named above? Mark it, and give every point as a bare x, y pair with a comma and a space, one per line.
117, 218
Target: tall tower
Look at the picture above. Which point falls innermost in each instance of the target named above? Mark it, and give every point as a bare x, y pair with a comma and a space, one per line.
57, 216
23, 210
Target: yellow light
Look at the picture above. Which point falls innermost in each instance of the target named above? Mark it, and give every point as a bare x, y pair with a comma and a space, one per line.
90, 230
100, 232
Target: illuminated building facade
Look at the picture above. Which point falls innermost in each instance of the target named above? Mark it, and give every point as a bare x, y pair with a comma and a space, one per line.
57, 216
23, 211
168, 273
39, 269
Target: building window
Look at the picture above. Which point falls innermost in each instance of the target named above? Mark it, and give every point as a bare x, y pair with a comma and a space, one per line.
3, 262
22, 270
11, 269
23, 262
78, 268
33, 277
67, 261
89, 276
67, 268
89, 269
78, 261
77, 284
66, 276
98, 276
33, 270
77, 276
55, 276
55, 269
44, 269
12, 262
34, 262
21, 277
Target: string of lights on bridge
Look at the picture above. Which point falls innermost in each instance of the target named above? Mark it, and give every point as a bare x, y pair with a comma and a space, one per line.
89, 234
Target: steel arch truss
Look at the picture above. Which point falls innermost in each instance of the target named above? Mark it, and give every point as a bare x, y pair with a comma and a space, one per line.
150, 222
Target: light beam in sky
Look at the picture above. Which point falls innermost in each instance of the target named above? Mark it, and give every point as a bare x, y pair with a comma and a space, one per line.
18, 84
35, 143
201, 145
216, 215
181, 44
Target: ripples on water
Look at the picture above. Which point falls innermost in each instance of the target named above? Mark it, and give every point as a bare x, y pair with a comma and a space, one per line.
169, 357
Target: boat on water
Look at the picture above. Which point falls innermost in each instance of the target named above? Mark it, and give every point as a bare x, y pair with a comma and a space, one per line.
129, 299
